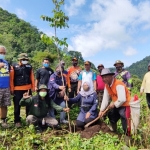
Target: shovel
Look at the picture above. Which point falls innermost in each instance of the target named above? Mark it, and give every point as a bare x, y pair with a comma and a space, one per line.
88, 124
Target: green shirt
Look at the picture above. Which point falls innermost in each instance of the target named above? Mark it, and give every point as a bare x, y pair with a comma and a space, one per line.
39, 108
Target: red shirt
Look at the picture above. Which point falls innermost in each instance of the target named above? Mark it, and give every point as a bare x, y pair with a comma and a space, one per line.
100, 83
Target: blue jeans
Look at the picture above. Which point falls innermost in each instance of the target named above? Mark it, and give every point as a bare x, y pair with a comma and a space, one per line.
62, 113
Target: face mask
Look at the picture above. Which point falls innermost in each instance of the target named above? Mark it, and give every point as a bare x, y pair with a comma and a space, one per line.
74, 64
85, 88
119, 68
58, 72
42, 94
46, 65
2, 56
24, 62
100, 70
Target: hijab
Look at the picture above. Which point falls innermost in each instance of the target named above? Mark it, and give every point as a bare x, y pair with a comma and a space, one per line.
86, 93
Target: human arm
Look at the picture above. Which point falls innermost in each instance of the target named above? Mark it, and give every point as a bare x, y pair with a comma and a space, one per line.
1, 64
105, 100
79, 82
12, 80
94, 106
32, 81
95, 86
143, 85
68, 79
37, 80
121, 94
57, 107
94, 80
26, 100
73, 100
53, 83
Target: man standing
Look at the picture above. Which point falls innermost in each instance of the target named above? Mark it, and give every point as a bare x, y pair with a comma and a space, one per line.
73, 73
43, 74
122, 74
87, 75
120, 96
145, 87
4, 86
22, 80
57, 92
100, 85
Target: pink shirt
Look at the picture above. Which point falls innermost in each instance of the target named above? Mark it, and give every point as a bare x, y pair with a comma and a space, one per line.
100, 83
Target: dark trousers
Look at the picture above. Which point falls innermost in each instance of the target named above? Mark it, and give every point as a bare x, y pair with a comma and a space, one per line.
73, 92
148, 99
18, 94
122, 113
82, 124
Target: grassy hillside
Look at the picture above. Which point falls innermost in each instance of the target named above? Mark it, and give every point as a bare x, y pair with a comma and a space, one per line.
140, 67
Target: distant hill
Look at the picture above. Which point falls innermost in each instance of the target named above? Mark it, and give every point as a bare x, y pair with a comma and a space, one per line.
140, 67
19, 36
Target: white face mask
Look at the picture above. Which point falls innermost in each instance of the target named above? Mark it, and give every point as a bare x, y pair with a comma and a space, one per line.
24, 62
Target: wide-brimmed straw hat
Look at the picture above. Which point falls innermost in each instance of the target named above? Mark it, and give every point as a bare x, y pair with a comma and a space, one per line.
106, 71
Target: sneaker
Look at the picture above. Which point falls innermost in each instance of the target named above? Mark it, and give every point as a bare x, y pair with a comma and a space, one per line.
18, 125
4, 124
64, 122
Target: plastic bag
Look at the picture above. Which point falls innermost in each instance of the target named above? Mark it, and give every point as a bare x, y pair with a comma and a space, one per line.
135, 114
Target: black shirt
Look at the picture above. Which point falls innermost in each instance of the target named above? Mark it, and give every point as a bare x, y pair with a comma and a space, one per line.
43, 75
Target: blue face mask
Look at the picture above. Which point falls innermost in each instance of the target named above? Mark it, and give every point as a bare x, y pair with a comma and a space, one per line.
2, 56
46, 65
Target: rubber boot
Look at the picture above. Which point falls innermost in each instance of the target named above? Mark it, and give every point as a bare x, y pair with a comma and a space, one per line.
127, 140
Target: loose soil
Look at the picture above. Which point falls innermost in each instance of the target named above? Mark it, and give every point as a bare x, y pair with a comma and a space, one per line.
93, 130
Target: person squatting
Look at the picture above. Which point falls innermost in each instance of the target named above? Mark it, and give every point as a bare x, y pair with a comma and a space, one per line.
93, 93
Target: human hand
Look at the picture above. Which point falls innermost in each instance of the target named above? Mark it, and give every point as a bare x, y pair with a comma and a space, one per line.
36, 89
26, 95
66, 109
62, 87
69, 90
111, 105
66, 98
88, 114
1, 64
141, 93
101, 114
12, 92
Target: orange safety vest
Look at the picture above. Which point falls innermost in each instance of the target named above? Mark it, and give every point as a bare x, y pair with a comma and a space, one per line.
113, 92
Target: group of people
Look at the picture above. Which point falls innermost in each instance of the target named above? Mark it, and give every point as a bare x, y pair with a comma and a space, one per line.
106, 90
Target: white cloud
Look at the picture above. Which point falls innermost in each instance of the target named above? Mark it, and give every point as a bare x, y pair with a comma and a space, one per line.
73, 7
4, 3
113, 25
21, 13
130, 51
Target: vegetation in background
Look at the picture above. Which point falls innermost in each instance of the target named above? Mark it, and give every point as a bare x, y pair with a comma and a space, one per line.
19, 36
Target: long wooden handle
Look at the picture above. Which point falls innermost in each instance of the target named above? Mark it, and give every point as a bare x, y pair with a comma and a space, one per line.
88, 124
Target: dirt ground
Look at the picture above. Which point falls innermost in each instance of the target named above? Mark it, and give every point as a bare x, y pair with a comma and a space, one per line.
94, 129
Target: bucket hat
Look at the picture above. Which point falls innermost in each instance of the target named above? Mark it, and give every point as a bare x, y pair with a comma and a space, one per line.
106, 71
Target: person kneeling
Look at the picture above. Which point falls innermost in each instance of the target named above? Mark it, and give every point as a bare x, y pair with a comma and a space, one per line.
39, 107
88, 105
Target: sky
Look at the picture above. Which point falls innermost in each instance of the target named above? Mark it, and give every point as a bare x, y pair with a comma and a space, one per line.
102, 30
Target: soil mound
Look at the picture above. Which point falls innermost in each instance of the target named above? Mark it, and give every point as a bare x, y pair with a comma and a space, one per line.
93, 130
